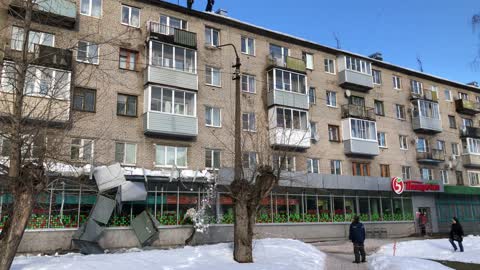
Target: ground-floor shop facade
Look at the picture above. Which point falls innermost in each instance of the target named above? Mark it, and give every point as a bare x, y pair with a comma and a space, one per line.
461, 202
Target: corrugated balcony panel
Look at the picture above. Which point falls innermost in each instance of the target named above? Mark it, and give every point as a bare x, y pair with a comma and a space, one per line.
471, 161
170, 124
467, 107
293, 138
361, 147
426, 124
355, 80
185, 38
290, 99
470, 132
171, 77
62, 13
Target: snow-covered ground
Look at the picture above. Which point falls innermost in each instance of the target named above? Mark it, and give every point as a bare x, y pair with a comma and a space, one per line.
384, 262
269, 254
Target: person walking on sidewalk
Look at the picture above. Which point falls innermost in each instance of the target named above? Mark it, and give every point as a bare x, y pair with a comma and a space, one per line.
357, 236
456, 234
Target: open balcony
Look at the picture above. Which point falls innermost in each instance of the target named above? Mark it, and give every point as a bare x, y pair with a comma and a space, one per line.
426, 95
172, 35
470, 132
433, 156
42, 55
467, 107
288, 62
358, 111
60, 13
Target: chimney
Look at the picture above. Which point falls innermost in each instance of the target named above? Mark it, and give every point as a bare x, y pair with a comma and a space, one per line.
377, 56
222, 12
474, 84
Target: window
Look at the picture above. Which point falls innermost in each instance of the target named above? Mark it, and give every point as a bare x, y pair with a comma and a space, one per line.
455, 150
170, 156
474, 178
360, 169
422, 145
212, 37
128, 59
477, 99
173, 101
444, 176
45, 82
308, 59
287, 81
249, 160
452, 122
84, 99
312, 95
471, 146
213, 117
286, 163
441, 145
313, 165
384, 170
448, 95
248, 83
377, 76
336, 167
213, 76
130, 16
292, 119
400, 110
359, 65
379, 109
248, 121
329, 65
426, 174
126, 153
333, 133
427, 109
87, 52
406, 172
363, 129
382, 139
313, 131
91, 8
467, 123
169, 56
248, 45
81, 150
331, 99
397, 82
416, 87
169, 24
212, 159
126, 105
34, 37
279, 54
462, 96
4, 147
459, 177
403, 142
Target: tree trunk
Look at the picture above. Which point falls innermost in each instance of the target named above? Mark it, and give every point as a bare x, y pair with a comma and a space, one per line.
11, 237
243, 233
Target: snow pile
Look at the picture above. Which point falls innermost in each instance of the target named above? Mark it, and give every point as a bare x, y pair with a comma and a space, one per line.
269, 254
436, 249
403, 263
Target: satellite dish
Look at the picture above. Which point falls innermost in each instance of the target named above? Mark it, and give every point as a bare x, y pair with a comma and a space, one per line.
348, 93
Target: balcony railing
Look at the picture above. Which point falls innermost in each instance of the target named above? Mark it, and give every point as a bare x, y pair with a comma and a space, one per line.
358, 111
287, 62
60, 13
431, 156
53, 57
470, 132
426, 95
467, 106
172, 35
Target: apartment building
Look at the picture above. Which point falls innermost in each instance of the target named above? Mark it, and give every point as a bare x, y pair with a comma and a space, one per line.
152, 90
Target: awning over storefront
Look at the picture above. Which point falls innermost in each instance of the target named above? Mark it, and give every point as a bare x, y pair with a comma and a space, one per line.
462, 190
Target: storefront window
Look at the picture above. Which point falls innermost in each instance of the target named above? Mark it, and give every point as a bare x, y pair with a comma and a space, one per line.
264, 213
338, 206
397, 209
226, 209
311, 214
169, 213
295, 208
387, 209
350, 208
64, 210
280, 213
364, 212
185, 202
324, 209
39, 217
375, 209
408, 208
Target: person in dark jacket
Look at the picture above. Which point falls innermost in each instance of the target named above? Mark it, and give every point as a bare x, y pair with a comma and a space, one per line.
190, 4
456, 234
357, 236
210, 4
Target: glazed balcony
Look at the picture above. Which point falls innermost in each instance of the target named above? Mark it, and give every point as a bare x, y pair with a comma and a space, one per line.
60, 13
424, 124
433, 156
290, 63
467, 107
290, 138
172, 35
358, 111
158, 123
359, 137
354, 73
471, 161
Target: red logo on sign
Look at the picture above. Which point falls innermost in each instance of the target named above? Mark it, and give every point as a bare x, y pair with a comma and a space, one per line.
398, 186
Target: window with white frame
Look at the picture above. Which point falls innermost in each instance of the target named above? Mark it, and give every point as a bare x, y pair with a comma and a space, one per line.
279, 54
471, 146
403, 142
377, 76
406, 172
331, 99
441, 145
426, 174
422, 145
286, 163
467, 123
168, 24
172, 101
379, 109
212, 36
313, 131
336, 167
170, 156
249, 160
9, 77
455, 150
400, 111
448, 95
130, 16
363, 129
312, 95
397, 82
382, 139
329, 65
287, 81
213, 117
87, 52
91, 8
359, 65
248, 45
444, 176
477, 99
212, 158
34, 37
48, 82
173, 57
308, 59
452, 121
292, 119
313, 165
126, 153
81, 150
248, 83
248, 122
463, 96
427, 109
474, 178
416, 87
333, 133
213, 76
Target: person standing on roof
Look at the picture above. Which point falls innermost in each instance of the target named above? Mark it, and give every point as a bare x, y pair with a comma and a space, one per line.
210, 5
190, 4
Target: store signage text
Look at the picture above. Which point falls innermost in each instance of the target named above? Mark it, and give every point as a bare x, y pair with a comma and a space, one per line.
399, 186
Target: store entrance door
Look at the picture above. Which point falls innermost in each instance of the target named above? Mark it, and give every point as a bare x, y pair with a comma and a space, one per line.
424, 220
